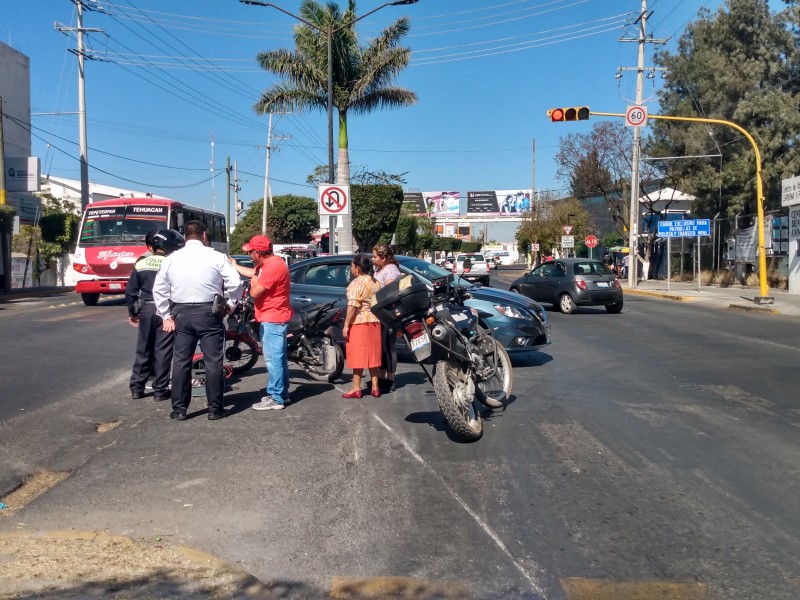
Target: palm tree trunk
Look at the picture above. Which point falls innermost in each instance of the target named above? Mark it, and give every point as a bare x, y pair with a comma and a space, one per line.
345, 230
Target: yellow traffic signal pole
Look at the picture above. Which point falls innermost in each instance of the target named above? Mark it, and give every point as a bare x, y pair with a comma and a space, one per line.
763, 298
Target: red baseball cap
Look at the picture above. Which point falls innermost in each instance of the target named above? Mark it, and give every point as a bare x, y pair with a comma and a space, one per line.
258, 242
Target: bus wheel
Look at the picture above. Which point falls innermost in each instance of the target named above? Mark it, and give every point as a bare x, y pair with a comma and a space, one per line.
90, 299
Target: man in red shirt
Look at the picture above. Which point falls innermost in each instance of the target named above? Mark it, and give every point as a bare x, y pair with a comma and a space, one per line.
269, 287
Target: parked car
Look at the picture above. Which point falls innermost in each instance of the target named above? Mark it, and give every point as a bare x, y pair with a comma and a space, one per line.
518, 323
567, 283
472, 267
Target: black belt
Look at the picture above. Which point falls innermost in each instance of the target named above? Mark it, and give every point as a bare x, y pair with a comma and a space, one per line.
194, 303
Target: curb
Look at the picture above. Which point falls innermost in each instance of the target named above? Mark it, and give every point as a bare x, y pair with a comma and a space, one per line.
754, 308
35, 293
239, 583
665, 295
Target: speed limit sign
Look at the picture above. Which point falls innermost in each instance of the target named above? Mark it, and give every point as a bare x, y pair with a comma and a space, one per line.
636, 116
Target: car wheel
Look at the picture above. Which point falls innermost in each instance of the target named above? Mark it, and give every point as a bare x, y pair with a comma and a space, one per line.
566, 304
90, 299
485, 281
615, 307
515, 290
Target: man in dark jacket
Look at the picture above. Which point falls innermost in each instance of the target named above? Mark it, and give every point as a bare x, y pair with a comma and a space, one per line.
153, 345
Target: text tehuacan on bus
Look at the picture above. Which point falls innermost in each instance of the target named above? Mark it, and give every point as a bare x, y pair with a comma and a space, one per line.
112, 234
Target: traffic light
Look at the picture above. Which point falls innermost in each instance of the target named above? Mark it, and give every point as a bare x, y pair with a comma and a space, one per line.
572, 113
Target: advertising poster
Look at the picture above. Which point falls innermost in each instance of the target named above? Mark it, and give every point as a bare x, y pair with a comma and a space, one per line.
499, 202
434, 204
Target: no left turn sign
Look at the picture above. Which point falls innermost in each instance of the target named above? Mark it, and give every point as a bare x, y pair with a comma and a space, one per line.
334, 199
636, 116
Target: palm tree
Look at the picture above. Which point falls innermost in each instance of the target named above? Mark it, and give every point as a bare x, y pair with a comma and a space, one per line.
362, 77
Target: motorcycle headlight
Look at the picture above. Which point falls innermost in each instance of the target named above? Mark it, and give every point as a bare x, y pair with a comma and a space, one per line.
510, 311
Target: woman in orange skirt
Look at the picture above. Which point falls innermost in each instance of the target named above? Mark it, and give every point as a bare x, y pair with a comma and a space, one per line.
362, 330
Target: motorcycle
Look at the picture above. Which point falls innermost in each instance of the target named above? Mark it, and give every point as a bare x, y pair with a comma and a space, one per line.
309, 341
468, 363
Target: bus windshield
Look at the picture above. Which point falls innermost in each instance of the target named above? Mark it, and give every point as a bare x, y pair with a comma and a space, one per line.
121, 225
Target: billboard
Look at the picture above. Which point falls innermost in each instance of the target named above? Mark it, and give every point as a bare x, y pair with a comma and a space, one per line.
499, 202
434, 204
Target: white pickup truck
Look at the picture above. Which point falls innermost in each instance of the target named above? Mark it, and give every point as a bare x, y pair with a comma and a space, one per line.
472, 267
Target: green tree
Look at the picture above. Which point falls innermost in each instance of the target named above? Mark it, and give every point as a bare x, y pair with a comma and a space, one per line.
375, 212
362, 76
741, 64
291, 219
547, 230
406, 232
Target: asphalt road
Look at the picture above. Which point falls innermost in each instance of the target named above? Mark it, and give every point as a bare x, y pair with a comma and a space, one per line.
651, 454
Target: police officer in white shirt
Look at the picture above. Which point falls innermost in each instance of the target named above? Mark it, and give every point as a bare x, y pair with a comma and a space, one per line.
189, 279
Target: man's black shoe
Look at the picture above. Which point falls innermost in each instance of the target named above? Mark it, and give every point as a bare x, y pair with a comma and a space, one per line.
177, 416
160, 398
386, 386
137, 395
213, 416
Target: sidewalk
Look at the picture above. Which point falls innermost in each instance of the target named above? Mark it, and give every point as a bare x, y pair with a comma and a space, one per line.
735, 297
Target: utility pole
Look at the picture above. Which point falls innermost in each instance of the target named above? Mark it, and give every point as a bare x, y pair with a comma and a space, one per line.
228, 196
80, 30
267, 195
5, 238
633, 221
235, 193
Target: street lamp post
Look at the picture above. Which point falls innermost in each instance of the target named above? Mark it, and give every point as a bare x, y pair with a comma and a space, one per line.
346, 219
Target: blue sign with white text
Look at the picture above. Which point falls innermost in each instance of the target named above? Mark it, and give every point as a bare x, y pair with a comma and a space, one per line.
685, 228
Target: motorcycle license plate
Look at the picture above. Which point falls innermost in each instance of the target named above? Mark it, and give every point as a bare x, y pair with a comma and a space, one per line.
420, 346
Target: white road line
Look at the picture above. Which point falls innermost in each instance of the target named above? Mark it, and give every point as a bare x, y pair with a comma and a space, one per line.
488, 530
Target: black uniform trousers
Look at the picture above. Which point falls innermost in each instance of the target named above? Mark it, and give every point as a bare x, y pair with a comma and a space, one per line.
196, 323
153, 353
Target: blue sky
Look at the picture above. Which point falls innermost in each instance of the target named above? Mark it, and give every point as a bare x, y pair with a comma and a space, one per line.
175, 73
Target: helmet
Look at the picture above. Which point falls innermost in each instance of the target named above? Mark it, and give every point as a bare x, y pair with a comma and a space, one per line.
167, 240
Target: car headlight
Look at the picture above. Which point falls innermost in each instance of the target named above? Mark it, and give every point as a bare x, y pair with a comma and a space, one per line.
511, 311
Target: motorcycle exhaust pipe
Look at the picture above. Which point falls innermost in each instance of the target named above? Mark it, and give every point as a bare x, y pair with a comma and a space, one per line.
439, 332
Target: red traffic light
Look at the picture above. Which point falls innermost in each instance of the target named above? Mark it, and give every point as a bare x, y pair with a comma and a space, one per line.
572, 113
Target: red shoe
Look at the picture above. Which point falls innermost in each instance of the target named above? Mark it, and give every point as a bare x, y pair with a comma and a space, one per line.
376, 393
355, 394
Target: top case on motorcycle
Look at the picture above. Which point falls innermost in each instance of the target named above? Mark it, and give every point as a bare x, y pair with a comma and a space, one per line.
401, 298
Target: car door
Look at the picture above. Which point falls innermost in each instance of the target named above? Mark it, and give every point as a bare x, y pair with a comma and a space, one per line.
320, 282
536, 285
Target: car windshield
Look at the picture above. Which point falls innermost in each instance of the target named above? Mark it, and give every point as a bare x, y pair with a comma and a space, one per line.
590, 268
429, 271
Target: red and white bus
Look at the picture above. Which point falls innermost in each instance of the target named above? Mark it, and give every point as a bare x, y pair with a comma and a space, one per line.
112, 234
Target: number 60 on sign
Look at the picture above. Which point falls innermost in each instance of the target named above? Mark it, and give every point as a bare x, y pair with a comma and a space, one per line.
636, 116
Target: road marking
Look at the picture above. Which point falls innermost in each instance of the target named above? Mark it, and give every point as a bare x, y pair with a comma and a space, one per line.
578, 588
488, 530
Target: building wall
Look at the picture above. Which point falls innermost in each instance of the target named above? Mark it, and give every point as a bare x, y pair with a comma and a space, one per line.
15, 88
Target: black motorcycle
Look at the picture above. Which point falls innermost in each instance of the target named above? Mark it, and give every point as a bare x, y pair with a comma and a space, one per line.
468, 363
309, 341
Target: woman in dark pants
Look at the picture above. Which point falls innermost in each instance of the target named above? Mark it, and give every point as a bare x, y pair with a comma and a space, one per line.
386, 271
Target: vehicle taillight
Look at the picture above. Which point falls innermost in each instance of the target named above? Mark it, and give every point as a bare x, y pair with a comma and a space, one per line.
580, 283
337, 317
616, 282
84, 269
414, 329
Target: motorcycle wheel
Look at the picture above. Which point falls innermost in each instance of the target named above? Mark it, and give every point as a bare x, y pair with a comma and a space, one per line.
495, 391
456, 402
318, 373
241, 355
